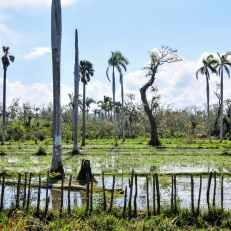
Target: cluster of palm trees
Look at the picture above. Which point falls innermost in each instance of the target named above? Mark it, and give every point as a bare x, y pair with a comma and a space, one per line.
218, 67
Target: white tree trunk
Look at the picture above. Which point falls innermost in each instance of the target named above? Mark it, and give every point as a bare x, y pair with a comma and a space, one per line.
76, 95
56, 33
221, 115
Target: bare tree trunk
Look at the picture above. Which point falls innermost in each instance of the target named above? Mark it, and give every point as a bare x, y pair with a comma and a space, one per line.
76, 95
84, 113
4, 107
122, 99
209, 129
56, 33
154, 136
221, 117
114, 114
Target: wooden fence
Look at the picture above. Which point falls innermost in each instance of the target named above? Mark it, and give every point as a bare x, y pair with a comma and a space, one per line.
22, 199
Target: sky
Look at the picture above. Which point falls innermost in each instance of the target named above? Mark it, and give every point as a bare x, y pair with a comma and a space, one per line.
134, 27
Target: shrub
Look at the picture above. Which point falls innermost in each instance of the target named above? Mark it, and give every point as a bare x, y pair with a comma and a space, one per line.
41, 151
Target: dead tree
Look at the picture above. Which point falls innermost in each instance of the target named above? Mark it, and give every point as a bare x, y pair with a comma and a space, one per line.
157, 58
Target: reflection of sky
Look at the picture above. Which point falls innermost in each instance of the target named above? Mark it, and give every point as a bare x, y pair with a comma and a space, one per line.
78, 198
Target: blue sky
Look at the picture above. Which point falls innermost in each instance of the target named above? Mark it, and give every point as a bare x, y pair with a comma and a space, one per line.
195, 28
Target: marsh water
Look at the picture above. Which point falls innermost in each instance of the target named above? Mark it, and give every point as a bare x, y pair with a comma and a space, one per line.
78, 198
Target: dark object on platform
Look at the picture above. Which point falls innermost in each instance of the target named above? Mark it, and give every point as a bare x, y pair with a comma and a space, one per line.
85, 173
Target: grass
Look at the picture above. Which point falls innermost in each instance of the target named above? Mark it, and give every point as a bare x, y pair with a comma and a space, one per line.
98, 220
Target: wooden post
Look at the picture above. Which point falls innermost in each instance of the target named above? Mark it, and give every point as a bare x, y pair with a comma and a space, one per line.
47, 198
130, 196
147, 193
214, 191
3, 189
28, 194
172, 194
24, 190
91, 198
192, 194
69, 193
104, 194
154, 194
39, 192
18, 191
135, 196
158, 194
222, 192
208, 189
175, 194
199, 196
87, 194
112, 194
125, 202
61, 202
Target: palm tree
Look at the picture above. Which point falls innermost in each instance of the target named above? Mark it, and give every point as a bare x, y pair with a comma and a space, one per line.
89, 101
119, 62
6, 58
224, 64
86, 71
56, 34
104, 103
209, 64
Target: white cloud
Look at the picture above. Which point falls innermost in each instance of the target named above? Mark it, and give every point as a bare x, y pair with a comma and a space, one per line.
33, 3
37, 52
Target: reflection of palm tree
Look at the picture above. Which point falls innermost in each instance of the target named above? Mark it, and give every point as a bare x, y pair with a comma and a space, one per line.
224, 64
86, 71
6, 58
117, 61
208, 65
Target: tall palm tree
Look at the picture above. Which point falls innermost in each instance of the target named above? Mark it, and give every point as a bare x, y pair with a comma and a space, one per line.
209, 64
75, 98
86, 71
119, 62
223, 64
56, 34
6, 58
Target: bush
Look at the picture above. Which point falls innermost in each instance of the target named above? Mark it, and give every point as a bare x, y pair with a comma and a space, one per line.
41, 151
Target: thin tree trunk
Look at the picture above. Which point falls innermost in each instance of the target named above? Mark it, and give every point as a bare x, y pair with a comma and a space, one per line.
56, 33
122, 99
84, 112
4, 107
113, 92
221, 115
76, 95
209, 129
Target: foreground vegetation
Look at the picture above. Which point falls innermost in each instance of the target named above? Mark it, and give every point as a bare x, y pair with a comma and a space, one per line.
78, 219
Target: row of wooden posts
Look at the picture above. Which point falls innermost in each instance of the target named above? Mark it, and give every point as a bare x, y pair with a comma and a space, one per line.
129, 206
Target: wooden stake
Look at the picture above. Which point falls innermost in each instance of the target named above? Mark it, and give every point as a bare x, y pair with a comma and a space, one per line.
125, 202
104, 194
208, 189
158, 194
222, 192
91, 198
135, 197
130, 196
147, 193
28, 194
199, 196
192, 194
68, 195
61, 202
24, 191
214, 191
112, 194
47, 198
154, 194
18, 191
3, 189
39, 192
